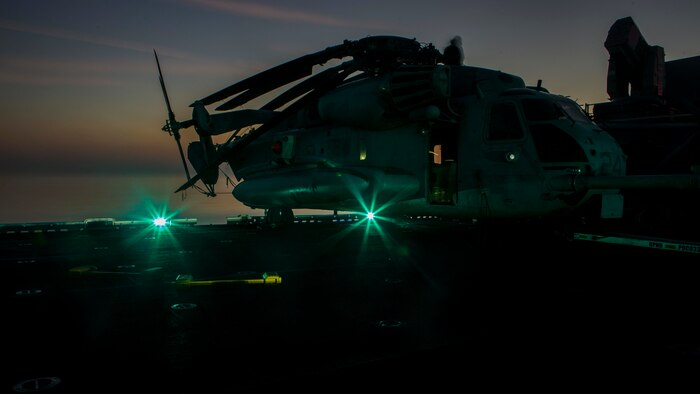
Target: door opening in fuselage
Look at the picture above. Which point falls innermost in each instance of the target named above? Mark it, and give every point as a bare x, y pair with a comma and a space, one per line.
442, 165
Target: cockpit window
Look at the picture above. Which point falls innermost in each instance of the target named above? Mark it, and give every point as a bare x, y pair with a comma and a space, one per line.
573, 110
538, 110
505, 123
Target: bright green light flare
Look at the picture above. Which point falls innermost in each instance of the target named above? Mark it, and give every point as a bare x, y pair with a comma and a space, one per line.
370, 215
159, 216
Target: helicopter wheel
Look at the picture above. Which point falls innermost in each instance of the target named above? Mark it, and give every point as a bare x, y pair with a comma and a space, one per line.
279, 216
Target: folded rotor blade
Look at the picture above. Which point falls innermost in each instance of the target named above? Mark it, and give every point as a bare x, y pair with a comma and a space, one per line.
275, 77
305, 86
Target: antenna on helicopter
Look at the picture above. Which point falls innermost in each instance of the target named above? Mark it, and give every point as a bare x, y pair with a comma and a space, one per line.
172, 126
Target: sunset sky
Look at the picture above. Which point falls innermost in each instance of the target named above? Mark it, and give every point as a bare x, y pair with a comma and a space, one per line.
79, 93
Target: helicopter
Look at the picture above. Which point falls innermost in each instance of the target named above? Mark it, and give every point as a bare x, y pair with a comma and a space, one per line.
397, 128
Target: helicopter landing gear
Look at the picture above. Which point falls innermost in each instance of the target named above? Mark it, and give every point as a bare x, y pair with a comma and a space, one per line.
279, 216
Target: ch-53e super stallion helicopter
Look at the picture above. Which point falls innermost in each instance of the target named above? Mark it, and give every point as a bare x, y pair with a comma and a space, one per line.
398, 129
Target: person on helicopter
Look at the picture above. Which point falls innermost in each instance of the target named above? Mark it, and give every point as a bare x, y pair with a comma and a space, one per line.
453, 55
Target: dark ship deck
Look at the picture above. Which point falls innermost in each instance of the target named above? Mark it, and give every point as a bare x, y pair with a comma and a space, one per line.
429, 303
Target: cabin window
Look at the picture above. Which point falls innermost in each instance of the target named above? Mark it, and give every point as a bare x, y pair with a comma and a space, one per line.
504, 123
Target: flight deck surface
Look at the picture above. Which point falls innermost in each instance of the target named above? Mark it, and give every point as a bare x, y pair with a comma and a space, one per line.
360, 306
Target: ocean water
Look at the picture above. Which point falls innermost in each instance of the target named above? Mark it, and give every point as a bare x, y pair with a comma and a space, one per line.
67, 198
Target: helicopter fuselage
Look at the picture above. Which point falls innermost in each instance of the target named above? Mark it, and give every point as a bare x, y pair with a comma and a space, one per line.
453, 141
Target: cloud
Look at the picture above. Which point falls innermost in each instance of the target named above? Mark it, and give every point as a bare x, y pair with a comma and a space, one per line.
88, 38
35, 80
279, 13
41, 71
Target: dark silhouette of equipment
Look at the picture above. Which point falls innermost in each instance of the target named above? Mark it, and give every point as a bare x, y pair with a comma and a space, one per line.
654, 108
654, 114
635, 68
